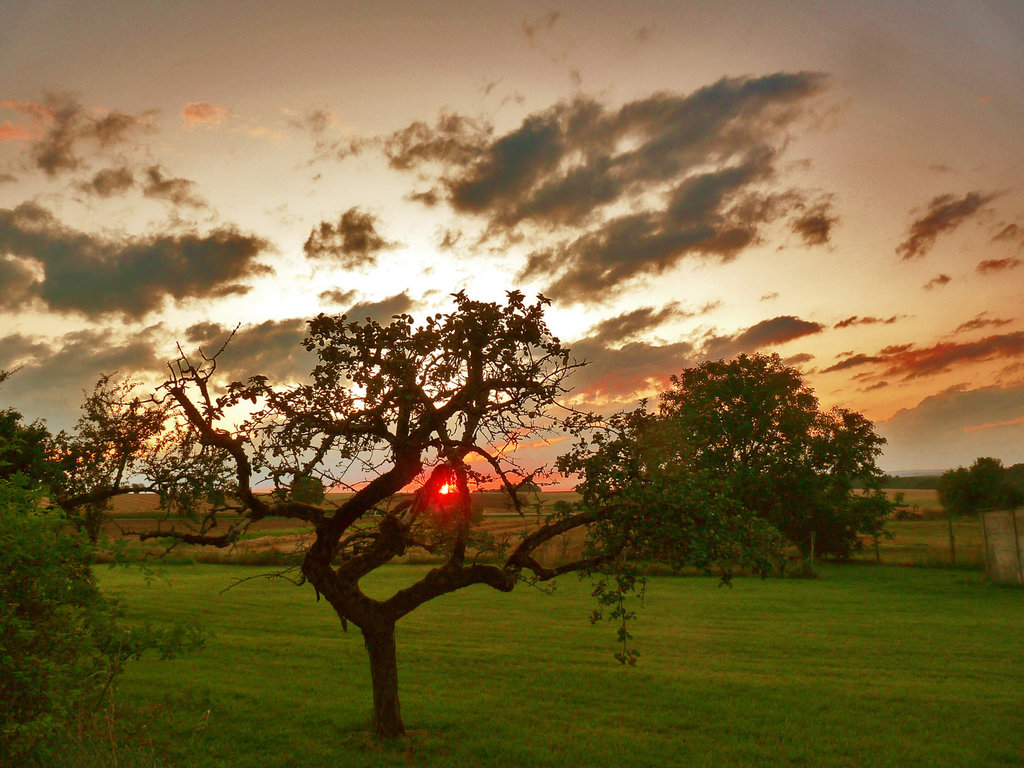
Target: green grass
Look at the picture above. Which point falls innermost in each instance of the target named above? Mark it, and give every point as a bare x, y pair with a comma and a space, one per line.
865, 666
926, 543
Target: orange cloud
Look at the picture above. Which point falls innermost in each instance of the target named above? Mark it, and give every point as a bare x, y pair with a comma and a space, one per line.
11, 132
204, 113
994, 424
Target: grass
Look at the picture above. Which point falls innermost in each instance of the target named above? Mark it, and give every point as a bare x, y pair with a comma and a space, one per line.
865, 666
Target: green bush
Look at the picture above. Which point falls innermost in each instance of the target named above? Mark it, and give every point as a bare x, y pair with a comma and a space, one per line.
58, 634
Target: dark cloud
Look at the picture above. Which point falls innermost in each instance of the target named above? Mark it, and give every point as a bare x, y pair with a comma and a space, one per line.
352, 242
997, 265
798, 359
954, 427
62, 127
454, 141
695, 172
337, 296
869, 320
7, 178
770, 296
907, 361
815, 224
53, 375
853, 361
981, 321
937, 282
382, 310
630, 324
272, 349
945, 213
766, 333
93, 275
619, 375
645, 319
174, 190
109, 182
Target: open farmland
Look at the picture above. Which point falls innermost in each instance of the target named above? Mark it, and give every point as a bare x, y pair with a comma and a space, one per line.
921, 540
865, 666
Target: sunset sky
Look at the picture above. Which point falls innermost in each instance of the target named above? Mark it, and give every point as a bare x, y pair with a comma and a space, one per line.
841, 183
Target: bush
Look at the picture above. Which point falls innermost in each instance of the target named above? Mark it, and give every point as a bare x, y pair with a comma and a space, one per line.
56, 629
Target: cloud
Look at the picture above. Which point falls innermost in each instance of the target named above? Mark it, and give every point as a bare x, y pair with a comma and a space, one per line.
109, 182
945, 213
533, 29
815, 224
272, 349
766, 333
337, 296
72, 271
204, 113
870, 320
954, 427
696, 173
630, 324
53, 375
907, 361
174, 190
454, 141
381, 311
61, 126
352, 242
937, 282
11, 132
1009, 232
616, 376
7, 178
981, 321
997, 265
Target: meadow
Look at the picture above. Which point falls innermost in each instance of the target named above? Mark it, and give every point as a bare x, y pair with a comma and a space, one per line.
866, 665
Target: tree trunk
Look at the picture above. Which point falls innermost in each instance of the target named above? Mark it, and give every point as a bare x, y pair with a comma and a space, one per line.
387, 715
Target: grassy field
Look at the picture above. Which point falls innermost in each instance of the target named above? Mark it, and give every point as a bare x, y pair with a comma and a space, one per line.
866, 666
922, 540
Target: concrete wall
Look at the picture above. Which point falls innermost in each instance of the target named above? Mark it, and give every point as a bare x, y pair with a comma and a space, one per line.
1004, 545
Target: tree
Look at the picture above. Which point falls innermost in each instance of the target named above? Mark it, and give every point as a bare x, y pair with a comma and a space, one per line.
967, 491
752, 423
413, 407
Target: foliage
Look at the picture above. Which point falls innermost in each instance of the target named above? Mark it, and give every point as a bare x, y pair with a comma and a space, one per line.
441, 407
986, 484
62, 644
755, 431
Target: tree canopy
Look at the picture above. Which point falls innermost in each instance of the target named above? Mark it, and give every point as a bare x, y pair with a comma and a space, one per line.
753, 425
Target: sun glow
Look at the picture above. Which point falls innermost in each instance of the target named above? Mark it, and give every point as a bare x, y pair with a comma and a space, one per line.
445, 489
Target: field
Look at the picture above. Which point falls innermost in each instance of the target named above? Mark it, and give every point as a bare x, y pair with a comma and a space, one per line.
866, 665
921, 540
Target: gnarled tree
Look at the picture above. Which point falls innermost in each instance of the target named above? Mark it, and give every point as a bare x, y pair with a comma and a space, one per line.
388, 408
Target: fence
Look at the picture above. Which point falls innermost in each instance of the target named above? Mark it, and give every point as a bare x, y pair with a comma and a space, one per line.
1004, 543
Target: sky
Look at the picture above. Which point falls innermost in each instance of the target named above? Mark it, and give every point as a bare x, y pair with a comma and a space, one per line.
840, 183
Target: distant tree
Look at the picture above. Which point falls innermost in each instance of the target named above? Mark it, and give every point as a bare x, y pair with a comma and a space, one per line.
967, 491
424, 407
752, 423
